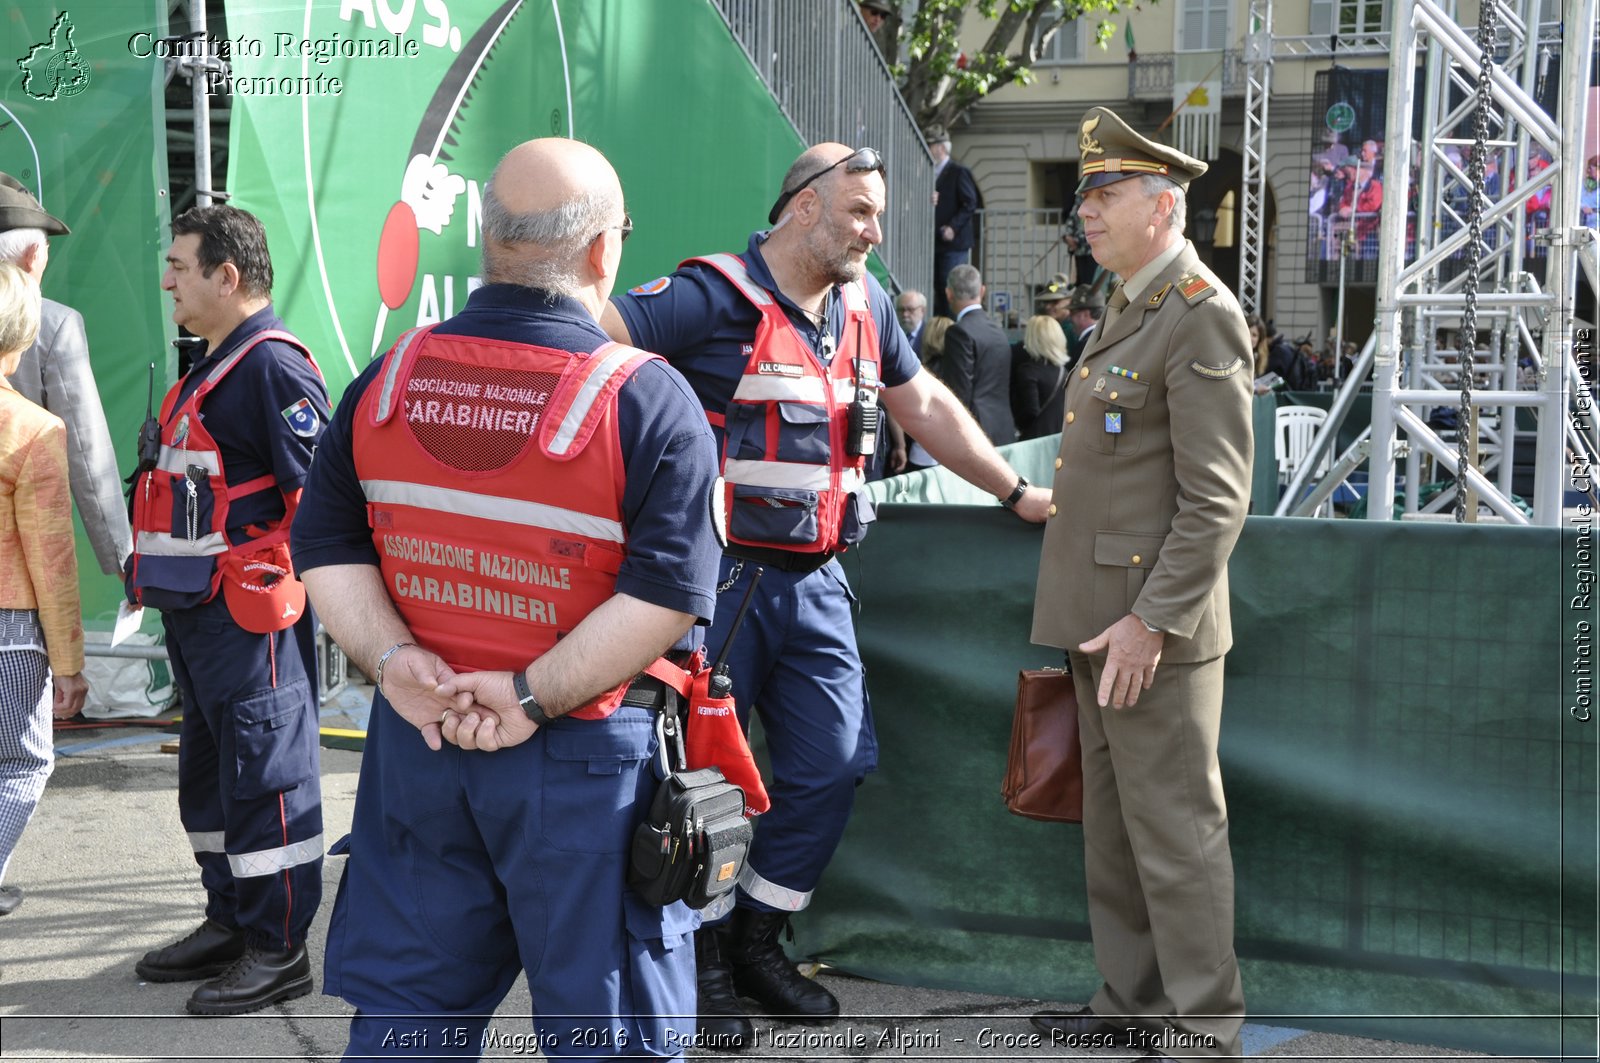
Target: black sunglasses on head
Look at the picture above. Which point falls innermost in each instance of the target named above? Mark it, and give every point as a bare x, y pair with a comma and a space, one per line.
862, 160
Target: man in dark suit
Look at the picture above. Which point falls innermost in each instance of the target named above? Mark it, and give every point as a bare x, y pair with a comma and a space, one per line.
955, 206
977, 358
55, 373
912, 309
1083, 314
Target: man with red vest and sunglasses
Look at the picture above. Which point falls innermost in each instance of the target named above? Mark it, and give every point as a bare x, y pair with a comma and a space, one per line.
211, 516
510, 486
789, 348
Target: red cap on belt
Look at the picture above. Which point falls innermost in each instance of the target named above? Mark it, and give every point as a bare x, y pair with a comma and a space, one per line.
261, 591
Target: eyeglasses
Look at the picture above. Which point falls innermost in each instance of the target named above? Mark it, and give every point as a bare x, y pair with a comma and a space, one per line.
626, 228
862, 160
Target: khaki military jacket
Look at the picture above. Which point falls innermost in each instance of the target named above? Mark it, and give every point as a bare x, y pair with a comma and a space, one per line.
1153, 478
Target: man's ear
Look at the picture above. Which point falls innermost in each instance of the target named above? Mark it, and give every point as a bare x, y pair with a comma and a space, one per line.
597, 256
230, 278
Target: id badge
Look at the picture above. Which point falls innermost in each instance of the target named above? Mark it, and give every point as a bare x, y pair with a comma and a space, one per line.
1113, 422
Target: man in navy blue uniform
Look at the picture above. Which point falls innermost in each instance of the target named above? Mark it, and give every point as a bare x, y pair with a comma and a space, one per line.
795, 660
237, 437
432, 508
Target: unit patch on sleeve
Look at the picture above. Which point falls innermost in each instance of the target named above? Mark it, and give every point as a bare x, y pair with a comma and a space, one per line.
655, 287
302, 418
1217, 372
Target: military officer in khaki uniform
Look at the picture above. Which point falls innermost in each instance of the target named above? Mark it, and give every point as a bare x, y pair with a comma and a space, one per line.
1151, 488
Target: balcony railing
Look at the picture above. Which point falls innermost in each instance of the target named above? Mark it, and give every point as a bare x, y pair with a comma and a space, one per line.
1150, 77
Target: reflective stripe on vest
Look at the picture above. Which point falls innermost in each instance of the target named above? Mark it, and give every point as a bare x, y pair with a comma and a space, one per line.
608, 367
448, 500
391, 372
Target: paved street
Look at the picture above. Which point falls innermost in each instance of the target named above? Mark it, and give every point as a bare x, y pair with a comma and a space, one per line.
108, 875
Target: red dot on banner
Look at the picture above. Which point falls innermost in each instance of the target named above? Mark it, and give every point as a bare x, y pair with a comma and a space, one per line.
397, 256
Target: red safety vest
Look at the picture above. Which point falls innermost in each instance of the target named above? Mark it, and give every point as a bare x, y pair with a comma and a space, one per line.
495, 497
788, 475
180, 508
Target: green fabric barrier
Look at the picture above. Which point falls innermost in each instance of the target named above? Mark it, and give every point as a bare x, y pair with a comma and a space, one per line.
1413, 808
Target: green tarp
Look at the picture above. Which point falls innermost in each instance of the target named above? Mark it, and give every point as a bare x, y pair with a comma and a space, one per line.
1413, 804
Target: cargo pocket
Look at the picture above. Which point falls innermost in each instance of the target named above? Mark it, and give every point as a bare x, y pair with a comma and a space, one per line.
773, 514
193, 504
858, 513
591, 780
275, 740
804, 437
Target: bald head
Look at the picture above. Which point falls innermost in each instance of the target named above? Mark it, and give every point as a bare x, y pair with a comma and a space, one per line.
544, 205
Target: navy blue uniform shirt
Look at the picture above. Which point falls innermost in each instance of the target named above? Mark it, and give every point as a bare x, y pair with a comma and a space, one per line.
701, 323
672, 555
246, 415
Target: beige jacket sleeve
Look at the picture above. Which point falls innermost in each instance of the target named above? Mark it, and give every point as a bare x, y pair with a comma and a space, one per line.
43, 501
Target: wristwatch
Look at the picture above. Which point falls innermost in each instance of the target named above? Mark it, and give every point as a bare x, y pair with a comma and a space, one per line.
1011, 500
1148, 626
530, 704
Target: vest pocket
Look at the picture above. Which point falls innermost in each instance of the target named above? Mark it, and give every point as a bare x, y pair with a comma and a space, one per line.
746, 432
803, 436
275, 740
192, 504
773, 514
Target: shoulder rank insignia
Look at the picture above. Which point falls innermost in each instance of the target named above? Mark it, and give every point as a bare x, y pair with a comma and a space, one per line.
1195, 288
1217, 372
1161, 293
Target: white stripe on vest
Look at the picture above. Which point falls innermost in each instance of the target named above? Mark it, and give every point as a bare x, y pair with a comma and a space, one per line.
165, 544
601, 370
177, 461
746, 473
492, 507
391, 373
733, 265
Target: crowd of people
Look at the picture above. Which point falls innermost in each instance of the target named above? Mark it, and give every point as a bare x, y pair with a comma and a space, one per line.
522, 522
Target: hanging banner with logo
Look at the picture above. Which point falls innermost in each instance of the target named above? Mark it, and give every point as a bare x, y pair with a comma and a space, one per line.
1347, 175
363, 134
81, 128
1197, 103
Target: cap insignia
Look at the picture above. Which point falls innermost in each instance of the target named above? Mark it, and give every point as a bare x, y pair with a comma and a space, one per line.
1087, 144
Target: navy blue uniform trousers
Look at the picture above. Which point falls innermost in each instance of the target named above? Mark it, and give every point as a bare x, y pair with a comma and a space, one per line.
467, 867
249, 794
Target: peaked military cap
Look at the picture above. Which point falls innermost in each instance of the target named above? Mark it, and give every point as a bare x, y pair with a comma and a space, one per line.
881, 6
1085, 297
19, 210
1057, 290
1111, 151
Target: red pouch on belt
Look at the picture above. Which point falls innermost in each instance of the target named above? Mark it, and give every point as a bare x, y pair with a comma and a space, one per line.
714, 739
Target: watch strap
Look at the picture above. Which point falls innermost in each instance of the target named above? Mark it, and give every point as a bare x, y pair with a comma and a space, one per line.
530, 704
1011, 500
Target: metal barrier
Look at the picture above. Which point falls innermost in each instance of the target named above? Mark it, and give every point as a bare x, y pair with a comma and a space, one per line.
1022, 249
826, 74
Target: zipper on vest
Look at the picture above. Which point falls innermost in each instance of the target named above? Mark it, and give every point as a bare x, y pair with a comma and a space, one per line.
191, 504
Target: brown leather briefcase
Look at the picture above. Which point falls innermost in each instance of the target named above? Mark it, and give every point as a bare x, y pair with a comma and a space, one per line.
1044, 772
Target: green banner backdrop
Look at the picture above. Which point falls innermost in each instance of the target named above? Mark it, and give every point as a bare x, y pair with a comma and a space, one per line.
82, 127
373, 189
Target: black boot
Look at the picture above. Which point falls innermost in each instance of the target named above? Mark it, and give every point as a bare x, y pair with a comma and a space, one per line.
256, 979
723, 1024
762, 972
204, 953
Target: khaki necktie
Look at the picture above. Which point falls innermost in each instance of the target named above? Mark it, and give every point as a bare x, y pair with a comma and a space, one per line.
1116, 304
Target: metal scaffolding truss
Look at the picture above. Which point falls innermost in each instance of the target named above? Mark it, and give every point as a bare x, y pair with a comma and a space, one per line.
1253, 201
1522, 351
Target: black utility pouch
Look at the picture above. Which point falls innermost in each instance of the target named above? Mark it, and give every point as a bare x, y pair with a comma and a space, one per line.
695, 841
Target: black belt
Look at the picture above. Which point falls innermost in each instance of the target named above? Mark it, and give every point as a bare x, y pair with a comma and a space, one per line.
646, 692
782, 560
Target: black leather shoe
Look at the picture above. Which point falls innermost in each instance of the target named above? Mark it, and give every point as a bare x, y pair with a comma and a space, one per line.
205, 953
723, 1024
1064, 1027
10, 899
256, 979
763, 973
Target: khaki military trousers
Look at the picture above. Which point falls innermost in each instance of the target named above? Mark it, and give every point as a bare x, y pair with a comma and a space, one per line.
1156, 860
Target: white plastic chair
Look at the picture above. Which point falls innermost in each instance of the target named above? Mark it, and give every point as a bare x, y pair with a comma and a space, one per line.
1294, 428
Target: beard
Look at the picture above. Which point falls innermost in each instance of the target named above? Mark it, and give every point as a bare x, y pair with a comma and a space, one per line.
836, 255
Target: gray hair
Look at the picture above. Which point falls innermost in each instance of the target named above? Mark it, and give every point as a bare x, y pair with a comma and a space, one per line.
544, 249
14, 243
1154, 184
965, 283
19, 315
